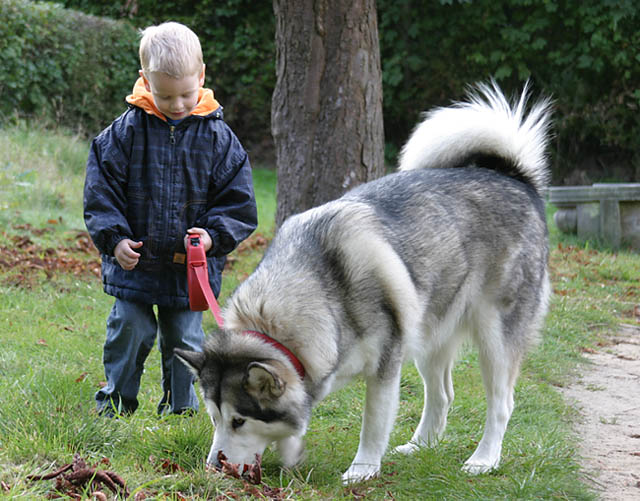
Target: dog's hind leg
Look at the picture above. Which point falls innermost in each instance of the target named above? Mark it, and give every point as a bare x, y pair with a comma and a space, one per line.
381, 405
435, 369
500, 365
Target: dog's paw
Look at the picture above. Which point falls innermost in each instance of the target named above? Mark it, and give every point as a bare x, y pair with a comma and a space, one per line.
477, 467
406, 449
359, 472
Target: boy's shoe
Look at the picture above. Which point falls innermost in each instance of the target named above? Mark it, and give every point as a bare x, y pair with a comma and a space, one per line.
110, 410
165, 410
186, 412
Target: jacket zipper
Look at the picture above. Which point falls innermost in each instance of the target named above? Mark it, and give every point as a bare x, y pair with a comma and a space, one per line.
168, 186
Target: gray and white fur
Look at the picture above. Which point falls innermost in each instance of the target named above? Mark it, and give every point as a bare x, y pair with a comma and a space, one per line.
450, 247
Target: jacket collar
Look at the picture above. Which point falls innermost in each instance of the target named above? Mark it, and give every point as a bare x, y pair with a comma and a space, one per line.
142, 98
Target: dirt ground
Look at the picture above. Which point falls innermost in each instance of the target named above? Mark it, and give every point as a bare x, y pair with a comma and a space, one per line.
607, 393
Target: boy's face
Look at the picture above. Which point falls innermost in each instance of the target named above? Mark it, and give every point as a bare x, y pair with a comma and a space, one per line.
174, 97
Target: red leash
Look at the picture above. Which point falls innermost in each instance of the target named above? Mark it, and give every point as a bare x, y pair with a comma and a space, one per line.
201, 297
200, 294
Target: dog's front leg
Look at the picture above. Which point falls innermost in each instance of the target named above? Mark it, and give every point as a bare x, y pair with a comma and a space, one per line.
291, 450
381, 405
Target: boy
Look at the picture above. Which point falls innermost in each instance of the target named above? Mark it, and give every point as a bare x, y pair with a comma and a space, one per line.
168, 166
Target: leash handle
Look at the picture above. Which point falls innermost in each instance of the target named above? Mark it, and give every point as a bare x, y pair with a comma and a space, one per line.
200, 294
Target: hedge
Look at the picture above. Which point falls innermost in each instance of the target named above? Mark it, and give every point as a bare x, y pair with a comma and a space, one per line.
64, 65
584, 53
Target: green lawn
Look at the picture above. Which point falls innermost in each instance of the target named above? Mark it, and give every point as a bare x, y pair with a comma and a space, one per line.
52, 322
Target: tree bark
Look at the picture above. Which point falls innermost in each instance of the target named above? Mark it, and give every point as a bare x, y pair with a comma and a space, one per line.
326, 112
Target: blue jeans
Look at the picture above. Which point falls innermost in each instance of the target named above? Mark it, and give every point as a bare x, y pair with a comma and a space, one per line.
131, 332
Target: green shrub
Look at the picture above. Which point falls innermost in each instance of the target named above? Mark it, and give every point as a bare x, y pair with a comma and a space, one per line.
584, 53
63, 65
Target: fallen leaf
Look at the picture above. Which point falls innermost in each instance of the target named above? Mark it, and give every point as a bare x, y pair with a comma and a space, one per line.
252, 473
73, 478
169, 466
26, 261
231, 469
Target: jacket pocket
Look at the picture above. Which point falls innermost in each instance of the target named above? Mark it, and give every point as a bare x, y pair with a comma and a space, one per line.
192, 210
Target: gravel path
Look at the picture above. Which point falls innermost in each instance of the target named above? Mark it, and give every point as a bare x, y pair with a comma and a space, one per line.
607, 393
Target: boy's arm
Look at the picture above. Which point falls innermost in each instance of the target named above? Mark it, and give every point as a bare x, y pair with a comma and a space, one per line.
232, 215
105, 194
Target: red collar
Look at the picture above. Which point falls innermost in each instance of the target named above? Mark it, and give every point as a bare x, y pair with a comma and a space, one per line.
201, 297
276, 344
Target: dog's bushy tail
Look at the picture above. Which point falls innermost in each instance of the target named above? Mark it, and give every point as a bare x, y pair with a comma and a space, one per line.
485, 126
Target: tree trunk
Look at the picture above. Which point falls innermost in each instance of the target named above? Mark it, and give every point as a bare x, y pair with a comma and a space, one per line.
326, 112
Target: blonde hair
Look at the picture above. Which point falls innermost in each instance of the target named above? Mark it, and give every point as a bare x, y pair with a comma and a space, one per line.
170, 48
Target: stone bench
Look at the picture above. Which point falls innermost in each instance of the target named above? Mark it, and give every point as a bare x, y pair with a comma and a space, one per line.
606, 212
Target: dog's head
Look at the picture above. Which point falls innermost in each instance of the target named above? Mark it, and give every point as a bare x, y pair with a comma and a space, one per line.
252, 401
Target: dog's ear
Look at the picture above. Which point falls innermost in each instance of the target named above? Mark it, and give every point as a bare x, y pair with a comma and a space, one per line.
192, 359
263, 382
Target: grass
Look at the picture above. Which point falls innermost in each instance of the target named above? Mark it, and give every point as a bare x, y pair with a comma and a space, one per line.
52, 327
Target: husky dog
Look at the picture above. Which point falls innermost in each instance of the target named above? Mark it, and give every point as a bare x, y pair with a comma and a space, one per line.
454, 245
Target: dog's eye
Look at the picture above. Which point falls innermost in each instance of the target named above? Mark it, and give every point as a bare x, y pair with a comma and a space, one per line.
237, 423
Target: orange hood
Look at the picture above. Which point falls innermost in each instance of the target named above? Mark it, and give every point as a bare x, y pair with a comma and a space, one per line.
142, 98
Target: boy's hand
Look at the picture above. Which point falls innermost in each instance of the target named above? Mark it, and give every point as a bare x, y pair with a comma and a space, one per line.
205, 239
126, 255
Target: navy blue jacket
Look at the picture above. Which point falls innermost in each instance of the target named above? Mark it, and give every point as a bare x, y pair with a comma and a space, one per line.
150, 182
